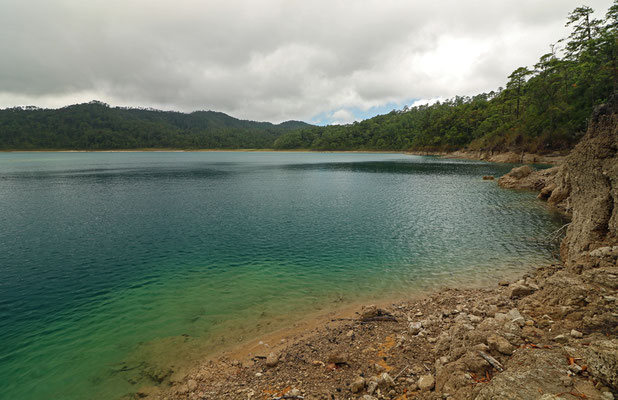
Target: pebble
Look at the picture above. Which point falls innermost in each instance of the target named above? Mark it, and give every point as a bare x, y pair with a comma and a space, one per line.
426, 382
294, 392
561, 339
258, 374
415, 327
475, 319
576, 369
350, 333
576, 334
372, 386
358, 385
501, 317
272, 360
386, 381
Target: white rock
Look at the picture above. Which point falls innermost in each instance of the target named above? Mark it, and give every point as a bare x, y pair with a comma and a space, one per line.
415, 327
576, 334
385, 381
426, 382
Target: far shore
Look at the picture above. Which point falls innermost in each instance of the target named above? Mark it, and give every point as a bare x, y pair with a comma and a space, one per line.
498, 157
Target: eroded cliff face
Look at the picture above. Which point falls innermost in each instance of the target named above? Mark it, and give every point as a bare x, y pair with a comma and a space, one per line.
588, 183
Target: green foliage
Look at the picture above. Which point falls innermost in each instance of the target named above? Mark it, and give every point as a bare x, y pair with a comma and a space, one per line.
541, 109
96, 126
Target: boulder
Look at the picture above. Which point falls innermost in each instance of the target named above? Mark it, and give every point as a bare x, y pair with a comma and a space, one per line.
519, 290
602, 359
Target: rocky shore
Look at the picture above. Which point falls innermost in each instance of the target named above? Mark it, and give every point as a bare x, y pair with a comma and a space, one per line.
553, 334
508, 157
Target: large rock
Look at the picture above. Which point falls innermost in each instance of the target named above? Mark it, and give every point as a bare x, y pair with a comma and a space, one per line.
529, 373
525, 177
602, 358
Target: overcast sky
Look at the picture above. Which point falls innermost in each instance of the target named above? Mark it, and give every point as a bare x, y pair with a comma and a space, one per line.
321, 61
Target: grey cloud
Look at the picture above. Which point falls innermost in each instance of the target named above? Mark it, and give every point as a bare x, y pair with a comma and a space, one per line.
270, 59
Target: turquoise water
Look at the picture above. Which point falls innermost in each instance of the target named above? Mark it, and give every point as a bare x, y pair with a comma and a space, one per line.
115, 265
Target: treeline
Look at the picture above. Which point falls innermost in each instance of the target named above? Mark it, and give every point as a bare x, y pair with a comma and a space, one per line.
97, 126
541, 109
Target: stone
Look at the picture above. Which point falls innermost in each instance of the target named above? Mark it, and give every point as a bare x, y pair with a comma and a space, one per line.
576, 369
561, 339
272, 360
358, 385
426, 382
191, 385
350, 334
566, 381
378, 368
501, 317
385, 381
488, 178
602, 361
500, 344
513, 314
605, 252
415, 327
607, 396
576, 334
519, 290
372, 385
521, 172
368, 397
337, 357
503, 283
294, 392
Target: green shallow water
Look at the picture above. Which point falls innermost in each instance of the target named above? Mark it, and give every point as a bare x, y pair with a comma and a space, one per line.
118, 264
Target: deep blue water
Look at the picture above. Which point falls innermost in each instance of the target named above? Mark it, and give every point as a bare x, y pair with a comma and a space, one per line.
113, 264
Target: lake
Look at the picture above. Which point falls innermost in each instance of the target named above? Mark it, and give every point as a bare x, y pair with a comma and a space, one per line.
116, 266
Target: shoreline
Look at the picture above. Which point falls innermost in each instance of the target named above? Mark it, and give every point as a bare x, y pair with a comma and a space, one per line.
501, 157
248, 349
551, 334
412, 340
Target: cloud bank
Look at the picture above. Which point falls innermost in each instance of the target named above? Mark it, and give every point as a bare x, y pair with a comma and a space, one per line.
321, 61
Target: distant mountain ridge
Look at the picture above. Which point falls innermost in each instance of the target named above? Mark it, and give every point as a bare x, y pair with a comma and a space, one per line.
98, 126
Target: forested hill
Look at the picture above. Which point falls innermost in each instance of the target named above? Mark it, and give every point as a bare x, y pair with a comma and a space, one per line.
97, 126
542, 108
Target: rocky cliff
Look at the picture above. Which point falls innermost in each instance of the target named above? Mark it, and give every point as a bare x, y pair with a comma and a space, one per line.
590, 177
585, 186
